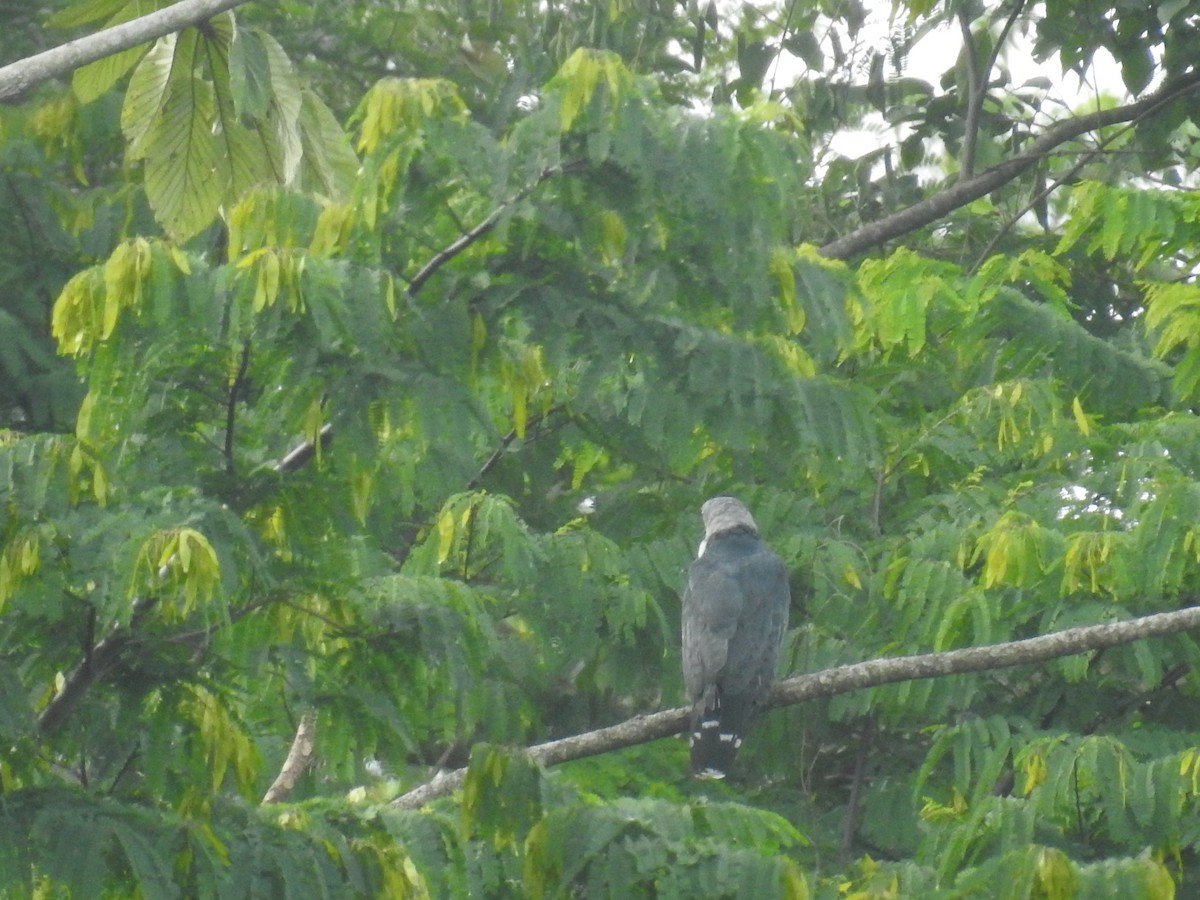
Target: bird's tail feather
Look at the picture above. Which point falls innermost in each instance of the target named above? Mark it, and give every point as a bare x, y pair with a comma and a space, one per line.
717, 735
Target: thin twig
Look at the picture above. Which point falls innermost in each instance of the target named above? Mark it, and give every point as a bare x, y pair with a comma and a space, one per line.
452, 250
125, 767
505, 443
978, 80
304, 452
1046, 191
1008, 26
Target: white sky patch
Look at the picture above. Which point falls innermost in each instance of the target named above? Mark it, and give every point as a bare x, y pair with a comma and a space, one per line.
936, 52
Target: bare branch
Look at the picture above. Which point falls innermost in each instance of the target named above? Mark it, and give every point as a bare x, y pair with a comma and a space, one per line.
18, 77
1083, 639
452, 250
843, 679
302, 453
296, 761
933, 208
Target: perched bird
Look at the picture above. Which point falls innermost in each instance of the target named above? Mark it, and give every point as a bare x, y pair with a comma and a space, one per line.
735, 610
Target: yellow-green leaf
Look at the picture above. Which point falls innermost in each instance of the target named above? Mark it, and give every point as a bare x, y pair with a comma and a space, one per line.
77, 318
266, 286
1054, 876
781, 267
1081, 421
445, 530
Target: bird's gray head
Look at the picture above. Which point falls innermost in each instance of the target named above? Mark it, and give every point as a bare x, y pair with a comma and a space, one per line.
721, 514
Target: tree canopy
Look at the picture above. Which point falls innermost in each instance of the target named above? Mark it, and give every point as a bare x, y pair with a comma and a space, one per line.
365, 365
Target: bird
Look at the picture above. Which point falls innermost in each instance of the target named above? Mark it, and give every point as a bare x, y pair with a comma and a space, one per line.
735, 613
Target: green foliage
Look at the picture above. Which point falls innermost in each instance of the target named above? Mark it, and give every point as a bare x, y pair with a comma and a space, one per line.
402, 415
63, 839
635, 848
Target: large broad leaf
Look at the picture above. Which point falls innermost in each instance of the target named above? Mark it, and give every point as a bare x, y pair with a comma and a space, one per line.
146, 95
182, 163
329, 166
168, 118
212, 124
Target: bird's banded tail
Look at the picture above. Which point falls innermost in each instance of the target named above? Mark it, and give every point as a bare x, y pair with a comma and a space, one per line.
717, 735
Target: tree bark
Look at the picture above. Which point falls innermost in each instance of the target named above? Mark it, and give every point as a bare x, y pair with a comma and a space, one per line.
296, 761
18, 77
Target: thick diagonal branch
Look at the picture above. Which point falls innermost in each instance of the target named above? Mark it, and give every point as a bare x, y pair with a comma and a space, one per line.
933, 208
297, 760
97, 662
18, 77
843, 679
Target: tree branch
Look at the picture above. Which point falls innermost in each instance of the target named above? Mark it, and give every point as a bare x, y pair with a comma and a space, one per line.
1018, 6
843, 679
302, 453
452, 250
1041, 196
977, 83
18, 77
98, 660
933, 208
505, 443
866, 743
297, 760
236, 387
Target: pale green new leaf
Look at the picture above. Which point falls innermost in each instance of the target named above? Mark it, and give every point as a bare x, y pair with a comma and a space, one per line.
167, 118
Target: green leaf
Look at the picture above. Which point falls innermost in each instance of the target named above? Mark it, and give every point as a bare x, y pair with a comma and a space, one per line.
501, 795
1137, 68
249, 74
88, 11
329, 166
146, 96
